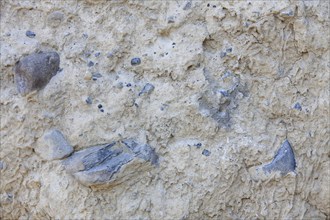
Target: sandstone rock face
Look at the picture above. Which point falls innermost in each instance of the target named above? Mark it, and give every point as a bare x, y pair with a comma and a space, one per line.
215, 88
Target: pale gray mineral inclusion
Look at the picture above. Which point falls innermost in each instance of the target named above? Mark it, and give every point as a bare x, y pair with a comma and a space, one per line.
97, 165
284, 160
54, 146
34, 71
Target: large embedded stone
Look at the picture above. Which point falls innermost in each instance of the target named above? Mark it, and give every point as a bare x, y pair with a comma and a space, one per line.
108, 163
34, 71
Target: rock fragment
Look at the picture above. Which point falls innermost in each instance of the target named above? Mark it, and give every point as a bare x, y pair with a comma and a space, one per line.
298, 106
206, 152
34, 71
55, 18
30, 34
284, 160
104, 164
147, 89
135, 61
53, 146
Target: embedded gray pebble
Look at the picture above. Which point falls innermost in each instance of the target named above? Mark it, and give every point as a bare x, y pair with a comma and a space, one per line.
90, 64
55, 19
53, 146
30, 34
34, 71
135, 61
284, 160
198, 145
95, 76
89, 101
3, 165
187, 6
147, 89
97, 54
170, 20
206, 152
223, 54
99, 164
298, 106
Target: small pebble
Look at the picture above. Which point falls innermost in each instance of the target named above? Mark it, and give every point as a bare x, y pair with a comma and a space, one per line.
3, 165
229, 50
96, 75
90, 64
119, 85
111, 54
85, 36
298, 106
187, 6
97, 54
89, 101
223, 54
102, 110
128, 85
148, 88
135, 61
206, 152
198, 145
170, 20
30, 34
224, 93
55, 18
99, 106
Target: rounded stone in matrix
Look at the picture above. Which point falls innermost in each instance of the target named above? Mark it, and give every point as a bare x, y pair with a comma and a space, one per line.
34, 71
135, 61
55, 18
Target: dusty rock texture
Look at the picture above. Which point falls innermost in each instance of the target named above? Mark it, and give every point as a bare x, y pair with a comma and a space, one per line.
228, 83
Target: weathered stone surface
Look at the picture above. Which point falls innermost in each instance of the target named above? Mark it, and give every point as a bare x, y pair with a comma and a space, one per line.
277, 55
53, 146
284, 160
98, 165
34, 71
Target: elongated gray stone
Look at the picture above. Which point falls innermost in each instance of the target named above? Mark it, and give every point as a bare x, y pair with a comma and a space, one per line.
53, 146
284, 160
103, 164
34, 71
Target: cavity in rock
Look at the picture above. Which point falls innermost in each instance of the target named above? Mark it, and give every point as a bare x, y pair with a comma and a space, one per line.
34, 71
284, 160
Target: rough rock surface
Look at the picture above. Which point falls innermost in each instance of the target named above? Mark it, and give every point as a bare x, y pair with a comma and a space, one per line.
227, 78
